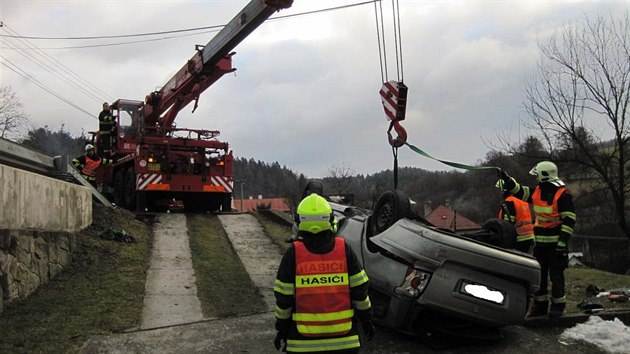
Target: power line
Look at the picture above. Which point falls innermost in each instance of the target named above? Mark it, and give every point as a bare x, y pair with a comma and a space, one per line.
63, 68
214, 28
6, 62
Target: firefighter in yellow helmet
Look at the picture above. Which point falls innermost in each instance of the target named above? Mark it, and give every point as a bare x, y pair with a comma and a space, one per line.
321, 288
553, 226
88, 163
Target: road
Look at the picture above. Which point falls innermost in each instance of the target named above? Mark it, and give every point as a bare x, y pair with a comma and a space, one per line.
255, 333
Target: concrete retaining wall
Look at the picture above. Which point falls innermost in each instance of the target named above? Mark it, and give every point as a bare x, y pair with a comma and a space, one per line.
31, 258
35, 202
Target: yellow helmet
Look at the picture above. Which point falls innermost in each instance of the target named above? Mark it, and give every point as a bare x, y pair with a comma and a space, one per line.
545, 171
314, 215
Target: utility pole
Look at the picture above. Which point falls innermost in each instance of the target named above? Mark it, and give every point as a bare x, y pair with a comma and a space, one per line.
242, 181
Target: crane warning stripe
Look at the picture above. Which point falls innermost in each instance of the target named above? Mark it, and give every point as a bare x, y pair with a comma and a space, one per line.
389, 93
225, 182
146, 178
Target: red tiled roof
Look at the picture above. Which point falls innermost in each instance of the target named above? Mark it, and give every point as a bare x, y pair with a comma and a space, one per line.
278, 204
443, 217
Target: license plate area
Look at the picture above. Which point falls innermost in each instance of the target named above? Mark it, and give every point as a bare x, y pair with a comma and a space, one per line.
482, 292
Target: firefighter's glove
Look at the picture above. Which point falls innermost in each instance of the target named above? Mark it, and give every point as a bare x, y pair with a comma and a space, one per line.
562, 254
368, 330
280, 341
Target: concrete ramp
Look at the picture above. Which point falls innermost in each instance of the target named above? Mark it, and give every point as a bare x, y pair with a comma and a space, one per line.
259, 255
171, 290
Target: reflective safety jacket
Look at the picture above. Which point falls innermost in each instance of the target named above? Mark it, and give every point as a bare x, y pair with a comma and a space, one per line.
322, 292
106, 123
87, 166
518, 213
547, 216
320, 289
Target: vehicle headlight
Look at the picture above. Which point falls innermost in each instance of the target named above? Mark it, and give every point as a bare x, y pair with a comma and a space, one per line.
415, 283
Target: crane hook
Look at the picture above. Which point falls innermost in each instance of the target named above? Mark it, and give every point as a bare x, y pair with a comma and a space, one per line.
401, 139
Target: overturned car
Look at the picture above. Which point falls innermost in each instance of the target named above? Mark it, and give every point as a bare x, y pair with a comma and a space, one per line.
429, 280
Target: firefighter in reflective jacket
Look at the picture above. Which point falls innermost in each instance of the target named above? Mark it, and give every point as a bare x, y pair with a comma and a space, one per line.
517, 212
321, 288
88, 163
555, 219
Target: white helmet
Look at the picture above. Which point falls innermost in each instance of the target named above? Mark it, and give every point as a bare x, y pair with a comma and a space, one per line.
545, 171
89, 147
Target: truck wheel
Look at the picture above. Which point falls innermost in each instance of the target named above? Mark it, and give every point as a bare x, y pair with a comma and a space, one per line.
392, 206
119, 192
504, 233
130, 189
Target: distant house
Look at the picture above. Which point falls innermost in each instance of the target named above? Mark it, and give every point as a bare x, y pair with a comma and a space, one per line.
448, 219
277, 204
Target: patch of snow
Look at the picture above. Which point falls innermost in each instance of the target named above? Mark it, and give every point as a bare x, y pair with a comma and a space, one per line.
611, 336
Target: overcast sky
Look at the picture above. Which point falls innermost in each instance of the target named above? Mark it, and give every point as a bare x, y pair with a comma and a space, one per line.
305, 93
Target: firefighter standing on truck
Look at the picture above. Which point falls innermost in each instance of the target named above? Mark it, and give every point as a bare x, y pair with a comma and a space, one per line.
106, 131
517, 212
88, 163
555, 219
321, 288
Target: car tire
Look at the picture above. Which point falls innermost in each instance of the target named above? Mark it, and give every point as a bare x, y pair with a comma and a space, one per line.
391, 206
504, 233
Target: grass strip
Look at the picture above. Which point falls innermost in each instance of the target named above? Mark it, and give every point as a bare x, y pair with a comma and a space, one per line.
223, 285
277, 233
100, 292
578, 279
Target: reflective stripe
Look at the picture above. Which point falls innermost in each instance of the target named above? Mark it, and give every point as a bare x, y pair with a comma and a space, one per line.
559, 300
541, 298
324, 329
567, 229
321, 317
524, 238
283, 314
543, 209
324, 217
567, 214
362, 304
547, 239
322, 345
284, 288
358, 279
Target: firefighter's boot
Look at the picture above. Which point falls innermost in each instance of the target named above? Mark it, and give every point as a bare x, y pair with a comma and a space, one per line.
538, 308
557, 309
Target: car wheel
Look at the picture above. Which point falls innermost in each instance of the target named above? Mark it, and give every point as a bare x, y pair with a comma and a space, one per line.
391, 206
504, 233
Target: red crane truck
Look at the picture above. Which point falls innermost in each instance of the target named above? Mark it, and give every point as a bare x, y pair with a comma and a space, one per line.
158, 165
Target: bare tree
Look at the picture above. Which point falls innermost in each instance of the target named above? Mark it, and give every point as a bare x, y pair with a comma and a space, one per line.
12, 117
579, 102
339, 178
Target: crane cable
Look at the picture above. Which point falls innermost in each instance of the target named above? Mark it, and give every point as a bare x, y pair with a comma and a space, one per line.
394, 93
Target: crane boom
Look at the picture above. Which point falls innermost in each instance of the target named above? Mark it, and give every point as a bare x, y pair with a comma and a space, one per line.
209, 64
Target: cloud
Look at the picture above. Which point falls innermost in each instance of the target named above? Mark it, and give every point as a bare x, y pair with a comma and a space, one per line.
306, 90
